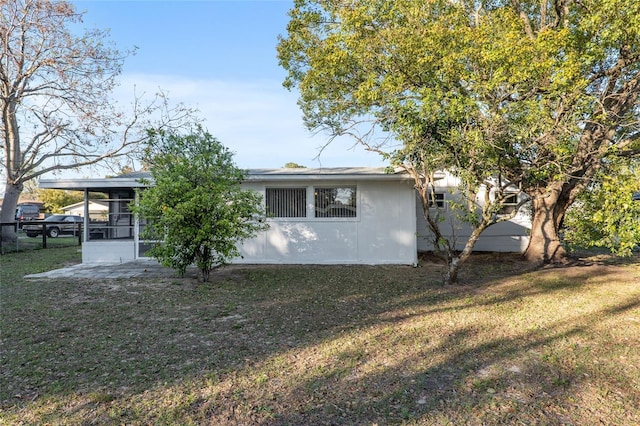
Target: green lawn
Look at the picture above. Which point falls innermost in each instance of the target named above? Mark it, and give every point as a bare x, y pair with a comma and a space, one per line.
25, 243
322, 345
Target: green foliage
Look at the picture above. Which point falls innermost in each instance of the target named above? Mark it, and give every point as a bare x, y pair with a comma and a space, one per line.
196, 205
527, 93
606, 215
54, 199
291, 165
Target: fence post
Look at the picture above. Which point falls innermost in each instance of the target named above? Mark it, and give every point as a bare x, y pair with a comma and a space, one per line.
44, 235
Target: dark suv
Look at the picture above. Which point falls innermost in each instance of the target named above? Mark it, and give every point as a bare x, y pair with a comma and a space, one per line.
27, 212
68, 225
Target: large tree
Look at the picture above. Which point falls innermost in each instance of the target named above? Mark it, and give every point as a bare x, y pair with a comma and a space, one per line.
195, 205
56, 105
511, 95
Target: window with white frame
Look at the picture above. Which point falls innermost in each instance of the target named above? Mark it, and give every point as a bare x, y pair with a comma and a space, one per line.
436, 200
509, 205
286, 202
335, 202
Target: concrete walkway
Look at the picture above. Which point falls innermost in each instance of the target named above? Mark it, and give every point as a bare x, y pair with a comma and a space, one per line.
147, 268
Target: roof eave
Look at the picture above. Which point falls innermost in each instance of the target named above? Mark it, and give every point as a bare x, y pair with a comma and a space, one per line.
97, 185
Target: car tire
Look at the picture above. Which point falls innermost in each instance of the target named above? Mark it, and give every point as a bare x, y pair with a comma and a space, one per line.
53, 232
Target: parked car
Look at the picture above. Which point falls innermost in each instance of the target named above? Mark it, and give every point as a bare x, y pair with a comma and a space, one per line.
68, 226
27, 212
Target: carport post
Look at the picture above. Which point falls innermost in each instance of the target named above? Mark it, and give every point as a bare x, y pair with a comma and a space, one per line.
85, 229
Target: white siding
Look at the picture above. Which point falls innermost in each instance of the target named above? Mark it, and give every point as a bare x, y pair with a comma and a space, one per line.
510, 236
382, 233
108, 251
388, 218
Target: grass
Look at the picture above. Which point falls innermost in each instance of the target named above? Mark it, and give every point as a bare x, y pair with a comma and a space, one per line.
25, 243
322, 345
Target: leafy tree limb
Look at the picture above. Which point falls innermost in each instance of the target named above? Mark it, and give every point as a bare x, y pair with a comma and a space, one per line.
195, 205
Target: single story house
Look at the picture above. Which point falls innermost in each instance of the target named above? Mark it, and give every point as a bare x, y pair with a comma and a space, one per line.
317, 216
98, 210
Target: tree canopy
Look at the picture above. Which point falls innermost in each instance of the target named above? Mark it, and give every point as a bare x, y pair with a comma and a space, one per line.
195, 206
606, 214
56, 105
511, 95
292, 165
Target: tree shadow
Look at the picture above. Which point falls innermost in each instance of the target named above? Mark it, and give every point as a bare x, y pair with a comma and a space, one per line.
115, 341
496, 378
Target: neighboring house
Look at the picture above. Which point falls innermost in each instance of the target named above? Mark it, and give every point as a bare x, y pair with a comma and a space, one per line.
316, 216
98, 210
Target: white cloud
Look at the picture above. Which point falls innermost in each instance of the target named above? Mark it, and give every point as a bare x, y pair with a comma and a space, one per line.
260, 121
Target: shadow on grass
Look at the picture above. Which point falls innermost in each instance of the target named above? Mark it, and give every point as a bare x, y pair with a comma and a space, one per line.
469, 375
307, 345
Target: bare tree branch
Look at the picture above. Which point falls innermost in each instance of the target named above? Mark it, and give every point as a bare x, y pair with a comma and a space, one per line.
56, 88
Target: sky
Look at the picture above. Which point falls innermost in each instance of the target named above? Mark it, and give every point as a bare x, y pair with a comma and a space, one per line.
220, 57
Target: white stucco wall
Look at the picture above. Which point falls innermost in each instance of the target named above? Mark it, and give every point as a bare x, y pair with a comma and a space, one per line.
108, 251
389, 217
382, 233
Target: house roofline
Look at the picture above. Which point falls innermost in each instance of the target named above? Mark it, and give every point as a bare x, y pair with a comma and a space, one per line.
331, 173
134, 180
97, 185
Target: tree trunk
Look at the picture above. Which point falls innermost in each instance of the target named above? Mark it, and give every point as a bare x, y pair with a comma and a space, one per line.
9, 203
544, 242
450, 275
455, 262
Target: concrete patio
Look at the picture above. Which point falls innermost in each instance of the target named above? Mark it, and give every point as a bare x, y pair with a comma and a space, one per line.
141, 268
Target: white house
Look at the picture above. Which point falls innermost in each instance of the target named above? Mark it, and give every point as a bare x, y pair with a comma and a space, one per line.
343, 215
98, 210
316, 216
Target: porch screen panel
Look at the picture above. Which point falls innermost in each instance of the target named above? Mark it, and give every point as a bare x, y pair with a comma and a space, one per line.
286, 202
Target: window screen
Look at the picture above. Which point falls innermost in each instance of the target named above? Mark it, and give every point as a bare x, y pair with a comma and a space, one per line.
286, 202
335, 202
509, 204
438, 197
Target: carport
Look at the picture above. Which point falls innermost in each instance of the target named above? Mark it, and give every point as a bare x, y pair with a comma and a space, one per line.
114, 237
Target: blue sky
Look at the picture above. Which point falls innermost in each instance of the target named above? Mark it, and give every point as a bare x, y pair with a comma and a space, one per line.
220, 57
